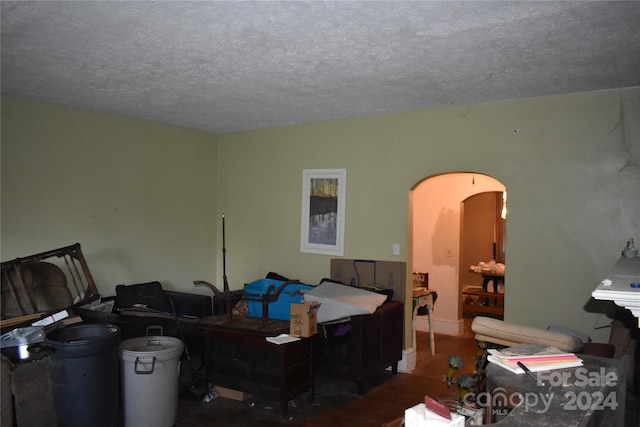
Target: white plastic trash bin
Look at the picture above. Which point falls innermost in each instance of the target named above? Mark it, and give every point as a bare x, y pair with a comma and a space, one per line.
150, 380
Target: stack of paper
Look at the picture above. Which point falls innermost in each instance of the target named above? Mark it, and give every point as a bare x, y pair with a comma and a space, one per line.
535, 357
282, 339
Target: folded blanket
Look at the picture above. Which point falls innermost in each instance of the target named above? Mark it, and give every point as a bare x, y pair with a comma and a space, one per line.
340, 301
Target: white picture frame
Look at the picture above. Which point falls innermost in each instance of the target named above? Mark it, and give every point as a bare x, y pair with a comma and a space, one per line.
324, 193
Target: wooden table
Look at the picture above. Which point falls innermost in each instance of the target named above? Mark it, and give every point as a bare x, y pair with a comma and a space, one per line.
238, 356
476, 300
490, 276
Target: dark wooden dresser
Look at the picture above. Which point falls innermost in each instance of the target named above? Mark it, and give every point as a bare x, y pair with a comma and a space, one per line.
238, 356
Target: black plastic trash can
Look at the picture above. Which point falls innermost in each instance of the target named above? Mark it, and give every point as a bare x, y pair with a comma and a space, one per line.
84, 372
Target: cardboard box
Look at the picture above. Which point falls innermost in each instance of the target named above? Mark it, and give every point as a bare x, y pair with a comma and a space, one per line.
383, 274
232, 394
304, 319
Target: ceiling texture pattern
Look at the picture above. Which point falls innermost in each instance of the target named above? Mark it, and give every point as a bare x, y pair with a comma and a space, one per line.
226, 66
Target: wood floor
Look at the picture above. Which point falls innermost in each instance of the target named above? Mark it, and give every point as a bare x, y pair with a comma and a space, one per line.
387, 402
336, 402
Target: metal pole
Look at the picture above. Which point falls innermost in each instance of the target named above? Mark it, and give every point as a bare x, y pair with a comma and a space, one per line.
224, 258
226, 291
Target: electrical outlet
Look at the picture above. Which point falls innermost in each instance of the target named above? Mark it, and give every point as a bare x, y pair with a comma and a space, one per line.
396, 249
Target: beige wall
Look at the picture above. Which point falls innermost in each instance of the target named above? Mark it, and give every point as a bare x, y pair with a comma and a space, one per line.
569, 163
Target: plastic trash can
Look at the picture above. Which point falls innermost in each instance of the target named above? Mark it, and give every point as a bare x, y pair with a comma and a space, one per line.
84, 372
150, 380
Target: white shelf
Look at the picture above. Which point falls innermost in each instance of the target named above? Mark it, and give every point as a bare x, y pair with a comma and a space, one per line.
623, 273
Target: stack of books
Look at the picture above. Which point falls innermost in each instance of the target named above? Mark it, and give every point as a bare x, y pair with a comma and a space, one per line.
534, 357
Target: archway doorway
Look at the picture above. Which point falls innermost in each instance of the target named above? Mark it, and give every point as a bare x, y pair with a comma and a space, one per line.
435, 205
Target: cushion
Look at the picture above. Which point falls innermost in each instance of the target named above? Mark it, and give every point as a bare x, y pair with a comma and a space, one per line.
504, 333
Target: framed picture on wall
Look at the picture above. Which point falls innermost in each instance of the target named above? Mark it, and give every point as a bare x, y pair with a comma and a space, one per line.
324, 193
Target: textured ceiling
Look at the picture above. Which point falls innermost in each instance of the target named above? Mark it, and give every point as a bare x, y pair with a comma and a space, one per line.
227, 66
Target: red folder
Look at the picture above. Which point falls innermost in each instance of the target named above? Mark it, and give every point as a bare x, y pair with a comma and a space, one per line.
437, 407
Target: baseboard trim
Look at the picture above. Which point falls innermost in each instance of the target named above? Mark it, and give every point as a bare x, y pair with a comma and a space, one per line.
408, 362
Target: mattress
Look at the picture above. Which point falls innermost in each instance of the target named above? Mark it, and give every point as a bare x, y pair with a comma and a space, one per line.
338, 301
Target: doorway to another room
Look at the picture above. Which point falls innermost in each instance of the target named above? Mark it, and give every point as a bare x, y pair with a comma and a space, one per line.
482, 253
445, 241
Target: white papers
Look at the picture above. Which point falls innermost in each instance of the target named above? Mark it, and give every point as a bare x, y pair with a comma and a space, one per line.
531, 352
534, 367
535, 357
282, 339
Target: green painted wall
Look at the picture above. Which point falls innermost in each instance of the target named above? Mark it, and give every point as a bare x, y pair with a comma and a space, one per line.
570, 165
139, 196
145, 199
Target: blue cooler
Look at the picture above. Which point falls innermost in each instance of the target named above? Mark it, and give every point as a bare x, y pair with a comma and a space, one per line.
279, 309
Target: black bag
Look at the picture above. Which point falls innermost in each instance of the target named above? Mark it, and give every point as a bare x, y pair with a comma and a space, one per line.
150, 295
